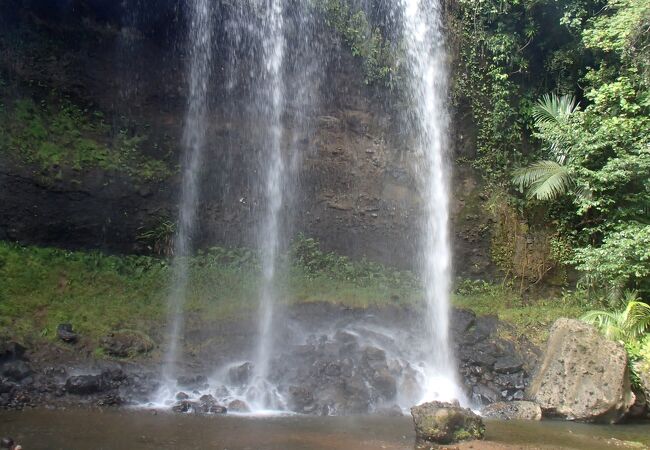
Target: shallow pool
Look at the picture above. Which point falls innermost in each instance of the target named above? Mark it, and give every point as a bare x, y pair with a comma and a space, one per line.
81, 429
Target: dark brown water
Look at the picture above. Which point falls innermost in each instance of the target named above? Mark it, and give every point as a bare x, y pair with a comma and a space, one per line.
142, 430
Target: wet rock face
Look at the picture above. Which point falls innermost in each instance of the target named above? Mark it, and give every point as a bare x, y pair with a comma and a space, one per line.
582, 376
192, 382
85, 385
492, 368
517, 410
240, 375
446, 423
338, 375
16, 370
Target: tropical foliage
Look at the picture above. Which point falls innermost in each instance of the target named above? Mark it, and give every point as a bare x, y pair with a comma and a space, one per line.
558, 91
550, 179
626, 324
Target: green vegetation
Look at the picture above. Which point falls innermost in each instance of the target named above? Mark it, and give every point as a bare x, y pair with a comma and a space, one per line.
550, 179
531, 319
629, 325
559, 93
626, 324
364, 40
159, 239
55, 134
99, 293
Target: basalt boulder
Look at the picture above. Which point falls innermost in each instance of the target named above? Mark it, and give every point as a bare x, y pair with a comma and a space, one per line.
446, 423
583, 376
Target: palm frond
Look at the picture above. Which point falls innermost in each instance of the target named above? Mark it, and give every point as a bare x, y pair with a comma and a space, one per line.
637, 318
554, 108
583, 193
610, 323
628, 323
543, 180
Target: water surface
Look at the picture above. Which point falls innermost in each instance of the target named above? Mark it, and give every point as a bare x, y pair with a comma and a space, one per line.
142, 430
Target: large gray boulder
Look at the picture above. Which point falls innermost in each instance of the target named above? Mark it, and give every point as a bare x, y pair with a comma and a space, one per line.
518, 410
446, 423
583, 375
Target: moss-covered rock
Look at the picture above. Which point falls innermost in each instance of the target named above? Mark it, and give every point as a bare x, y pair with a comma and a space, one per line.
126, 343
446, 423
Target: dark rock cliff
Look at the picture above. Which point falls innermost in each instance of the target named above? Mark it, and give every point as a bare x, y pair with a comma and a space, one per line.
356, 192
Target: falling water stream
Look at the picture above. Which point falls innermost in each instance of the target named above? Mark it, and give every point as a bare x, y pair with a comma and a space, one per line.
193, 143
429, 122
262, 395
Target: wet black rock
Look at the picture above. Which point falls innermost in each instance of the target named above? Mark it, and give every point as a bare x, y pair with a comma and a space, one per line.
6, 386
182, 396
385, 383
508, 364
11, 350
301, 399
111, 399
85, 384
208, 405
238, 406
16, 370
492, 369
241, 375
66, 334
192, 382
184, 406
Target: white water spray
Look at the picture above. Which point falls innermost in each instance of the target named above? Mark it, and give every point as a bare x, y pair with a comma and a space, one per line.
193, 142
429, 122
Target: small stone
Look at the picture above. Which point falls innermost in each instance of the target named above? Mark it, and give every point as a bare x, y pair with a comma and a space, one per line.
66, 334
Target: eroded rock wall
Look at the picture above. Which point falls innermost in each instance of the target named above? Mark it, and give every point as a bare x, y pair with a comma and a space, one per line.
356, 191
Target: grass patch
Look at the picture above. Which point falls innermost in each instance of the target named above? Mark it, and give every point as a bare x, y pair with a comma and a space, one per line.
98, 293
531, 319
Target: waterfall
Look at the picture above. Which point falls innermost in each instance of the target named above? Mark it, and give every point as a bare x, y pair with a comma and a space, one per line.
279, 163
199, 55
271, 104
428, 120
